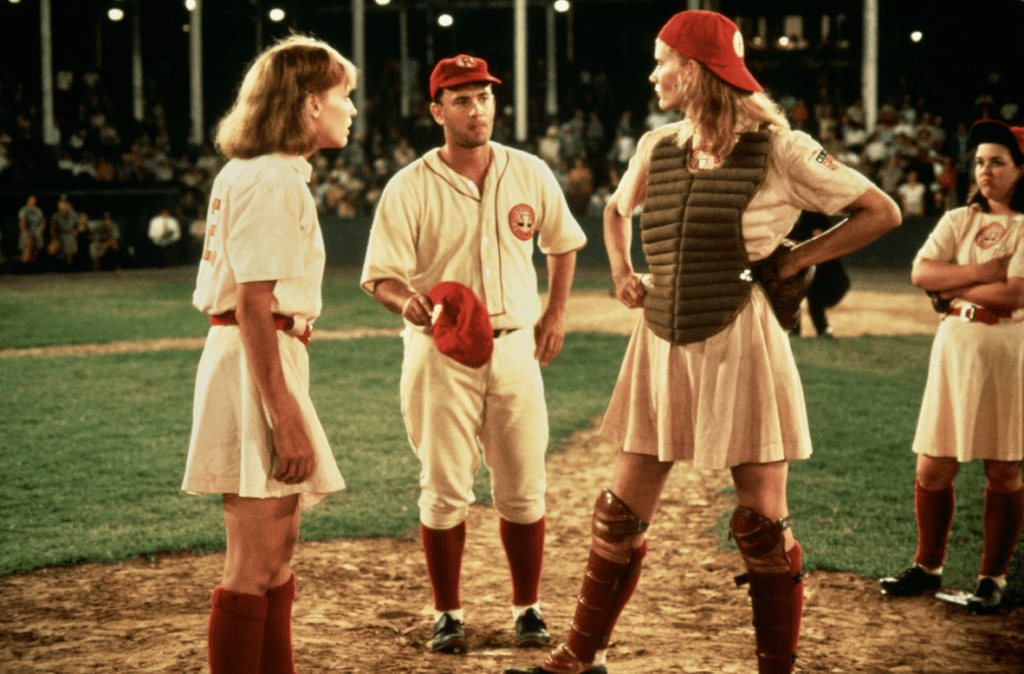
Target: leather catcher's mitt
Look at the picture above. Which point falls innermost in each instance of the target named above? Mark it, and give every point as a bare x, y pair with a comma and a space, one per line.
785, 295
940, 305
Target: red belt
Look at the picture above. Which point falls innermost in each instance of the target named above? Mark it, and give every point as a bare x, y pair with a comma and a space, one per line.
283, 323
971, 313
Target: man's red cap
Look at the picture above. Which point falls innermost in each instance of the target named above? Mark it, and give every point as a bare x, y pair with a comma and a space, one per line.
462, 330
461, 69
714, 41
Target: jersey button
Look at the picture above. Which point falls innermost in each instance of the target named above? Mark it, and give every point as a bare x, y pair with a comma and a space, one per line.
486, 240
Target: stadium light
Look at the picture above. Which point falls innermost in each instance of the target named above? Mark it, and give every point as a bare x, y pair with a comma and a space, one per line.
115, 14
276, 14
383, 3
190, 5
562, 6
916, 36
14, 2
445, 20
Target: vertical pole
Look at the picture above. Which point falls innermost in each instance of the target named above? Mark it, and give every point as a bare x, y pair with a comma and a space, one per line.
359, 55
403, 38
869, 65
50, 133
138, 97
195, 40
552, 63
522, 100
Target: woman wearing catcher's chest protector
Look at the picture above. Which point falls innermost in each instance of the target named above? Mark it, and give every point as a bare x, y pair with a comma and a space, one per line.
973, 266
708, 376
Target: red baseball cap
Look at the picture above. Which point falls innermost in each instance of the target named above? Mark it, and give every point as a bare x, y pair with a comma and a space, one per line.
1001, 133
461, 69
714, 41
462, 330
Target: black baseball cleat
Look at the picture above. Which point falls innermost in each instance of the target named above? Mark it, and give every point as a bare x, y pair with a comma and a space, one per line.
531, 632
449, 637
596, 669
987, 597
912, 582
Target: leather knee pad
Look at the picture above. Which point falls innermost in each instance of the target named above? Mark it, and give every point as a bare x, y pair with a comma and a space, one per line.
614, 527
760, 540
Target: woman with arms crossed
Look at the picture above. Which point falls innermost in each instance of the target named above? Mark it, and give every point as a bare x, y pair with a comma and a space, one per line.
256, 437
973, 266
708, 376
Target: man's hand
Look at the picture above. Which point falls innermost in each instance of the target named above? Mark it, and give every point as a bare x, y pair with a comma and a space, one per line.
418, 309
549, 334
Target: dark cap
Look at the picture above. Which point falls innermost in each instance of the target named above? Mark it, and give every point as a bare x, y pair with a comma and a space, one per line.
458, 70
1000, 133
714, 41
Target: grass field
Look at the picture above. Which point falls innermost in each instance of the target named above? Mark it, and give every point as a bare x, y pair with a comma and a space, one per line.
94, 446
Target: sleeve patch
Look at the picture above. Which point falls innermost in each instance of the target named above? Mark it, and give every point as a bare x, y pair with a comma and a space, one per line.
827, 160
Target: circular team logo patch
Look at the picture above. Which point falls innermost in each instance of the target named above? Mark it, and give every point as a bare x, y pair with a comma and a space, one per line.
989, 235
522, 221
737, 44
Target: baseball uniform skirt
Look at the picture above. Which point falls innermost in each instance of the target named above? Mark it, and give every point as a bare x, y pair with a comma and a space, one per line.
973, 406
232, 446
734, 398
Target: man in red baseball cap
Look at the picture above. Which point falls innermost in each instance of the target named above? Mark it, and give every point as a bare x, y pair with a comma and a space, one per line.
451, 248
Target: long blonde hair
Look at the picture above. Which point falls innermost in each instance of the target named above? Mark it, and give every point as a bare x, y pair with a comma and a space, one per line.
269, 113
719, 110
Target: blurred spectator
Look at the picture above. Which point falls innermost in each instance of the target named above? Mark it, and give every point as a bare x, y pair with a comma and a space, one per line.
63, 232
549, 147
105, 246
165, 232
579, 188
911, 196
32, 223
594, 135
403, 154
889, 176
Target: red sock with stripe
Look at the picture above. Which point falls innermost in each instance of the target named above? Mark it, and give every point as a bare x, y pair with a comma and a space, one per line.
933, 509
1004, 514
524, 548
278, 655
235, 632
443, 549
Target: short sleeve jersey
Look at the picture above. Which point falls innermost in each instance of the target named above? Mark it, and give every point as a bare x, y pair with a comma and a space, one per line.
801, 176
969, 235
32, 215
433, 224
262, 226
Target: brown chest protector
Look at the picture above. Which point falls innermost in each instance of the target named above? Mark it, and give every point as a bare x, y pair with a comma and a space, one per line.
693, 240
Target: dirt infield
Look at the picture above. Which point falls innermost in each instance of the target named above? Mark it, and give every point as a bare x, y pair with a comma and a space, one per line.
363, 604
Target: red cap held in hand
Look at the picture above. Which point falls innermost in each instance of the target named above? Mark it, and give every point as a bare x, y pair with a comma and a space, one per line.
462, 329
714, 41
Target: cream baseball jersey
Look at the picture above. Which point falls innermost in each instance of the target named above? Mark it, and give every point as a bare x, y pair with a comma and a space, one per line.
433, 224
801, 175
262, 226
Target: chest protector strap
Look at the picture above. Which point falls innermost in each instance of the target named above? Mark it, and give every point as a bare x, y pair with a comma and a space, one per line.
693, 240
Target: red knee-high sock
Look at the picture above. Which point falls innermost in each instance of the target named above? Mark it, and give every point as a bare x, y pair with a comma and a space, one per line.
235, 632
524, 548
1004, 514
934, 511
443, 549
278, 656
607, 588
778, 601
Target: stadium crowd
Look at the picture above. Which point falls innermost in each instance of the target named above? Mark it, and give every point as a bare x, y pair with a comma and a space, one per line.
916, 154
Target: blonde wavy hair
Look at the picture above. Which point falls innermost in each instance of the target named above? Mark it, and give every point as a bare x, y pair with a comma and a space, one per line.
718, 110
269, 113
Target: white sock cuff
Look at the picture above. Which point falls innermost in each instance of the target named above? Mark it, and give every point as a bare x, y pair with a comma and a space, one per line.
520, 610
455, 613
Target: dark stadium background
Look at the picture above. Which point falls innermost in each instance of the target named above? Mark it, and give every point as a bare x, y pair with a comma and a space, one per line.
962, 42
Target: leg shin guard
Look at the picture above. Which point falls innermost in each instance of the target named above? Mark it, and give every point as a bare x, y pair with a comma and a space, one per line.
608, 583
776, 588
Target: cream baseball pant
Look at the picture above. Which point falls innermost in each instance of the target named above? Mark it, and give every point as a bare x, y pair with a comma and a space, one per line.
453, 412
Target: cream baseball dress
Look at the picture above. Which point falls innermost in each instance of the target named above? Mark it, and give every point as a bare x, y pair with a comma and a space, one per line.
973, 406
262, 225
735, 397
